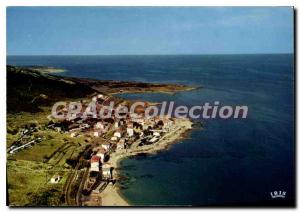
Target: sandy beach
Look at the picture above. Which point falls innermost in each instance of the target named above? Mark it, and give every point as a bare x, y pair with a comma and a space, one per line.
110, 196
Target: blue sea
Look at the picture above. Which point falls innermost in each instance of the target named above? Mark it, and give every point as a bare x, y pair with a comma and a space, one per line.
226, 162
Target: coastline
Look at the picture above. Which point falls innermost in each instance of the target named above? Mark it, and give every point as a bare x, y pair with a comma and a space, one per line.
157, 91
48, 70
111, 195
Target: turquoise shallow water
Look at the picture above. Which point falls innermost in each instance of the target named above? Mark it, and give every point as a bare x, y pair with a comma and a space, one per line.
228, 162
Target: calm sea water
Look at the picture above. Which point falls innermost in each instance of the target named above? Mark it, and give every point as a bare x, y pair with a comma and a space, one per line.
228, 162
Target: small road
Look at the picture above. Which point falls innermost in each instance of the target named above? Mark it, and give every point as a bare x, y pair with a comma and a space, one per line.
69, 184
79, 192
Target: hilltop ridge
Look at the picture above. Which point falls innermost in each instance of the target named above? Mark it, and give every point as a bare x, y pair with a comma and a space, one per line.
29, 88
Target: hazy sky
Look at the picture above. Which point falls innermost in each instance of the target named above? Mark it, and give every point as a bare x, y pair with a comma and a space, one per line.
153, 30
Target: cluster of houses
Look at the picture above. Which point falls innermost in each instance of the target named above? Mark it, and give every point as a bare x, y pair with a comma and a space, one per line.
99, 158
117, 135
25, 140
121, 131
100, 169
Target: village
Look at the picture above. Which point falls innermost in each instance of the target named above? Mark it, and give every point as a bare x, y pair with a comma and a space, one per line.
94, 168
111, 135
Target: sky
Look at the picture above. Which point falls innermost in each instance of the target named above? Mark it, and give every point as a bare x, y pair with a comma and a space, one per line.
148, 30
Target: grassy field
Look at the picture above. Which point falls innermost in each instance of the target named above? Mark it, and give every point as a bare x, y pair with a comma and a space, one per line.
30, 170
52, 143
29, 183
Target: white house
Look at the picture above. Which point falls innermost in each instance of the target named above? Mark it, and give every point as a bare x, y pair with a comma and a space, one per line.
55, 179
58, 129
100, 96
118, 134
88, 109
95, 163
74, 134
99, 125
97, 134
154, 139
106, 171
101, 153
138, 120
94, 167
129, 132
105, 146
157, 134
114, 138
94, 99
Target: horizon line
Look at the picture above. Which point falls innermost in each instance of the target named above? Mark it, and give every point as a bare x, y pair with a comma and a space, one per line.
267, 53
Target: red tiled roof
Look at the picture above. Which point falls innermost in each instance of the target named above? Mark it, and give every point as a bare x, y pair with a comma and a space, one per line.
95, 158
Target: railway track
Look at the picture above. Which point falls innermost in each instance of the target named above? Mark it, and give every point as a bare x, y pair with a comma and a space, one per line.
68, 186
